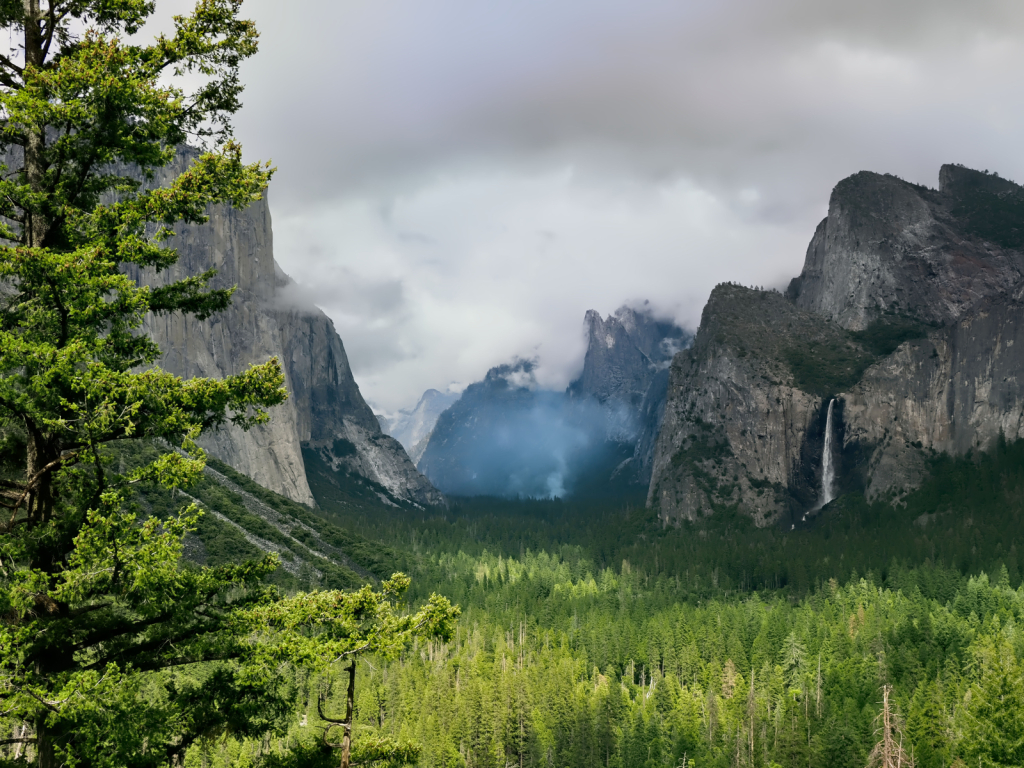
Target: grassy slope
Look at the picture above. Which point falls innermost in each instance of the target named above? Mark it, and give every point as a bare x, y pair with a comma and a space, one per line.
315, 552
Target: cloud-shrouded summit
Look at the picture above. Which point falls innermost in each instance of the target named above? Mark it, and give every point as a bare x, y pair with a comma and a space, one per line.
508, 436
458, 182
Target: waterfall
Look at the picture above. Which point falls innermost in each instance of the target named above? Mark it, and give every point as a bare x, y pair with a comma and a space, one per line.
828, 469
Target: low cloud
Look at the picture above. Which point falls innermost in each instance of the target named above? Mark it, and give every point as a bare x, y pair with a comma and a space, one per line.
486, 280
506, 437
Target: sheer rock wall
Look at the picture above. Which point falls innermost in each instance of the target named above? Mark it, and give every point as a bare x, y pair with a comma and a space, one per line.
264, 321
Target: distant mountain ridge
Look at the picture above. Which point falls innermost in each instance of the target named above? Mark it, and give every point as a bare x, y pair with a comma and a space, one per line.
412, 428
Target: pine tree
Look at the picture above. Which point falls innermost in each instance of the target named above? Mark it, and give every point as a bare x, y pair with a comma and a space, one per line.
993, 733
93, 598
927, 725
320, 629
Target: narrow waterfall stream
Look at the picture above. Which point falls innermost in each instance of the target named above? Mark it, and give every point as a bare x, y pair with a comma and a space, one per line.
828, 469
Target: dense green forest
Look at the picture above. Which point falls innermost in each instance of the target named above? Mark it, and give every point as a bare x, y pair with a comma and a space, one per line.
590, 635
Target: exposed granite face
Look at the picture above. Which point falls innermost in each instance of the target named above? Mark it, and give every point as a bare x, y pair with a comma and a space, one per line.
736, 431
952, 392
746, 406
324, 402
331, 412
652, 410
628, 354
239, 244
891, 246
624, 352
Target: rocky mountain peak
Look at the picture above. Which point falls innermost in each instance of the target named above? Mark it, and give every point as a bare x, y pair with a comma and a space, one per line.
901, 337
624, 351
269, 317
519, 374
891, 247
957, 181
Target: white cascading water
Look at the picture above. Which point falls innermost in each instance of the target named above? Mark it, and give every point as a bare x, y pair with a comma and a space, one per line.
828, 470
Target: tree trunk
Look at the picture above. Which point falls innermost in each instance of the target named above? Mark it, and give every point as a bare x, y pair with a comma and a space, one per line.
46, 558
46, 756
41, 453
346, 742
36, 224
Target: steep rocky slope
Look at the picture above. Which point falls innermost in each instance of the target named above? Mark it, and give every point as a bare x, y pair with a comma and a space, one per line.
325, 411
907, 312
956, 390
890, 246
506, 436
628, 354
737, 430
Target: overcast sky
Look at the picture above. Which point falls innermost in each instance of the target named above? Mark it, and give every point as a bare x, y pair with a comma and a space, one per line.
459, 180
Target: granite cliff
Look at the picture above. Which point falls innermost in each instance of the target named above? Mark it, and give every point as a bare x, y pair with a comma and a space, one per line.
907, 313
325, 412
626, 366
624, 353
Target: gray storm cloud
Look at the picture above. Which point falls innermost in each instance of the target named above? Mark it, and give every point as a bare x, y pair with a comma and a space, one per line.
400, 89
490, 171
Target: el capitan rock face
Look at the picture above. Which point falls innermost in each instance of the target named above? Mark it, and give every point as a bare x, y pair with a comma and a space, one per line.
908, 312
324, 404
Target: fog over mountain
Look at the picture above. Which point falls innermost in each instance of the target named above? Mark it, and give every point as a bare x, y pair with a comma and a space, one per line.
509, 436
412, 427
